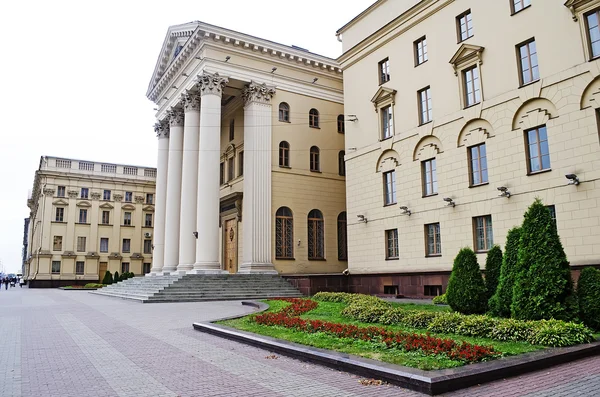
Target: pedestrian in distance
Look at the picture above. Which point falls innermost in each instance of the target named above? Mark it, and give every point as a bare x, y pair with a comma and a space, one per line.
5, 282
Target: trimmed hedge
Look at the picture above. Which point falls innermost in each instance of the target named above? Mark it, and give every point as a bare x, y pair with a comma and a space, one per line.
370, 309
493, 264
502, 298
588, 293
93, 285
440, 300
108, 278
466, 289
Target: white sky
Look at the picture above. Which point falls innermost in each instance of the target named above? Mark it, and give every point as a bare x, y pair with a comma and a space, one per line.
74, 78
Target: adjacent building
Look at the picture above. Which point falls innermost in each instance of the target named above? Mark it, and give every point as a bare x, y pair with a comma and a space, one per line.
86, 218
251, 171
463, 113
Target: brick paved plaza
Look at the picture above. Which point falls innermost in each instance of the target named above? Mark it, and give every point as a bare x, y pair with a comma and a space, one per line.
72, 343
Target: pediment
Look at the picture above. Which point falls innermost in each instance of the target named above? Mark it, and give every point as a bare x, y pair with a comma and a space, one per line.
383, 94
149, 208
576, 6
107, 206
128, 207
60, 202
84, 204
466, 53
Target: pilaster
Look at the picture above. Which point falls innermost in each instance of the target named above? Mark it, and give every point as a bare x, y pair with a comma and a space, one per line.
158, 253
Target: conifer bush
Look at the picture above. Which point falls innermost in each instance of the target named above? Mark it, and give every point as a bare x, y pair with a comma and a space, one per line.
108, 278
502, 298
466, 289
588, 293
543, 285
493, 263
117, 278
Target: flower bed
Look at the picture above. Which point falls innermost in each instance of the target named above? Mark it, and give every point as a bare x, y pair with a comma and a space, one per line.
408, 342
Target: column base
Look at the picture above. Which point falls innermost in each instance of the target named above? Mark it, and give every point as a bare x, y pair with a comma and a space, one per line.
257, 268
166, 271
207, 268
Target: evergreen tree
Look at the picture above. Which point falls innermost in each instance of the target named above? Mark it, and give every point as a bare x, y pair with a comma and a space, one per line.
543, 285
117, 277
466, 288
588, 292
493, 263
502, 298
108, 278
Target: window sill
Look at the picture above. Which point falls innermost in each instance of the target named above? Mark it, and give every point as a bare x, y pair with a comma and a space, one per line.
463, 40
58, 222
539, 172
522, 9
530, 83
470, 106
342, 132
386, 138
83, 198
284, 121
425, 123
430, 195
317, 259
478, 185
318, 172
285, 166
148, 227
127, 226
104, 252
390, 204
419, 64
315, 127
383, 82
481, 251
392, 259
285, 259
433, 256
105, 224
82, 223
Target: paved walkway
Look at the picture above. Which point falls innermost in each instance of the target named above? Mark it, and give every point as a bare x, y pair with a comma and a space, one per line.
72, 343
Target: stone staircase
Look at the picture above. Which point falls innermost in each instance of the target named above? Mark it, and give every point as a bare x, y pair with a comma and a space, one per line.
200, 287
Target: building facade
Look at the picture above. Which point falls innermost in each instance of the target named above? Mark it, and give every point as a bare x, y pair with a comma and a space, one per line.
25, 244
86, 218
465, 112
251, 168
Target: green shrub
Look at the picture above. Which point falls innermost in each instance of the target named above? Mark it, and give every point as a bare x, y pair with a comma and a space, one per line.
512, 330
502, 298
558, 333
393, 316
588, 293
93, 285
108, 278
418, 319
117, 278
440, 300
131, 275
338, 297
543, 286
493, 264
480, 326
445, 323
466, 290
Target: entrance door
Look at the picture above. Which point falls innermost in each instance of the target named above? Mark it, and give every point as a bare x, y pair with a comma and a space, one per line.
230, 245
102, 271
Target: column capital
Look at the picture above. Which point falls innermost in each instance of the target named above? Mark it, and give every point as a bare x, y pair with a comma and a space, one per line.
175, 117
210, 83
161, 129
259, 93
191, 101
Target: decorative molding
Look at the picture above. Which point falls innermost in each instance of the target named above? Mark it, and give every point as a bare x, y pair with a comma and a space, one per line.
73, 193
60, 202
95, 195
175, 117
137, 256
161, 129
128, 207
212, 83
191, 101
117, 197
49, 192
68, 254
84, 204
106, 206
115, 255
466, 55
139, 199
92, 255
148, 208
383, 96
576, 6
257, 93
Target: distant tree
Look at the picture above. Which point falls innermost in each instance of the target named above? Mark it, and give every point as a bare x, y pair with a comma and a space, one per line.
493, 264
466, 289
108, 278
502, 298
117, 278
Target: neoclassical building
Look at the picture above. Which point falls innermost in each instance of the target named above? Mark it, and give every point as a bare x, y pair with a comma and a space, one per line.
465, 112
86, 218
251, 172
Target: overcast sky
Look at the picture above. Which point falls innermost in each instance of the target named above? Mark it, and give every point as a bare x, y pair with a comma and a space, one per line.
74, 78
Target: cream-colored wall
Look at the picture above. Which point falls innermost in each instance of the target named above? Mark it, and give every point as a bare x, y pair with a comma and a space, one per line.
566, 86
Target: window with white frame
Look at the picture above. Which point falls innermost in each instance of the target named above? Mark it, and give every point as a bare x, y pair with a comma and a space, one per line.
83, 215
60, 214
126, 245
471, 86
391, 244
433, 239
128, 197
55, 267
387, 127
104, 244
106, 195
60, 191
483, 233
389, 187
85, 192
429, 175
425, 105
81, 240
127, 218
105, 217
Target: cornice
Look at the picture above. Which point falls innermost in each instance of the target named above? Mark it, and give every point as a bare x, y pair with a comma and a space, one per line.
359, 17
578, 6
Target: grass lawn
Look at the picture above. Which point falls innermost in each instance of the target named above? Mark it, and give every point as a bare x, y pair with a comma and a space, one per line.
328, 311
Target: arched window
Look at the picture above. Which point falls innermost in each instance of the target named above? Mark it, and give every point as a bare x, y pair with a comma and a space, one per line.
341, 163
340, 124
284, 154
342, 234
313, 118
284, 112
316, 235
315, 159
284, 234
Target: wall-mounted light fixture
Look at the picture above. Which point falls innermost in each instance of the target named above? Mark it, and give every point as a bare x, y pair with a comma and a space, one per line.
352, 117
362, 218
450, 201
315, 80
195, 234
573, 180
198, 58
298, 243
504, 191
405, 210
273, 70
227, 58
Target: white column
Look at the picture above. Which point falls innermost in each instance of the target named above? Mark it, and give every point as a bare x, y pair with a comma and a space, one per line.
189, 182
207, 248
160, 198
173, 192
257, 179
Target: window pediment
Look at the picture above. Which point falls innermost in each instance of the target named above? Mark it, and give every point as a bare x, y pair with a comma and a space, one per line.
60, 202
128, 207
149, 208
383, 96
106, 206
578, 6
84, 204
466, 55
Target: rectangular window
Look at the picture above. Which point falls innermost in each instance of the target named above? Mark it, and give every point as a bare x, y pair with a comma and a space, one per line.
149, 198
148, 220
79, 267
104, 244
60, 191
425, 106
222, 173
241, 163
472, 88
82, 215
232, 130
538, 153
432, 290
127, 218
106, 195
478, 164
433, 239
57, 243
552, 210
55, 267
126, 245
106, 217
484, 236
464, 26
593, 32
230, 168
85, 192
518, 5
147, 246
128, 197
391, 244
147, 268
420, 51
389, 187
81, 244
430, 185
124, 267
384, 71
528, 62
386, 122
60, 214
